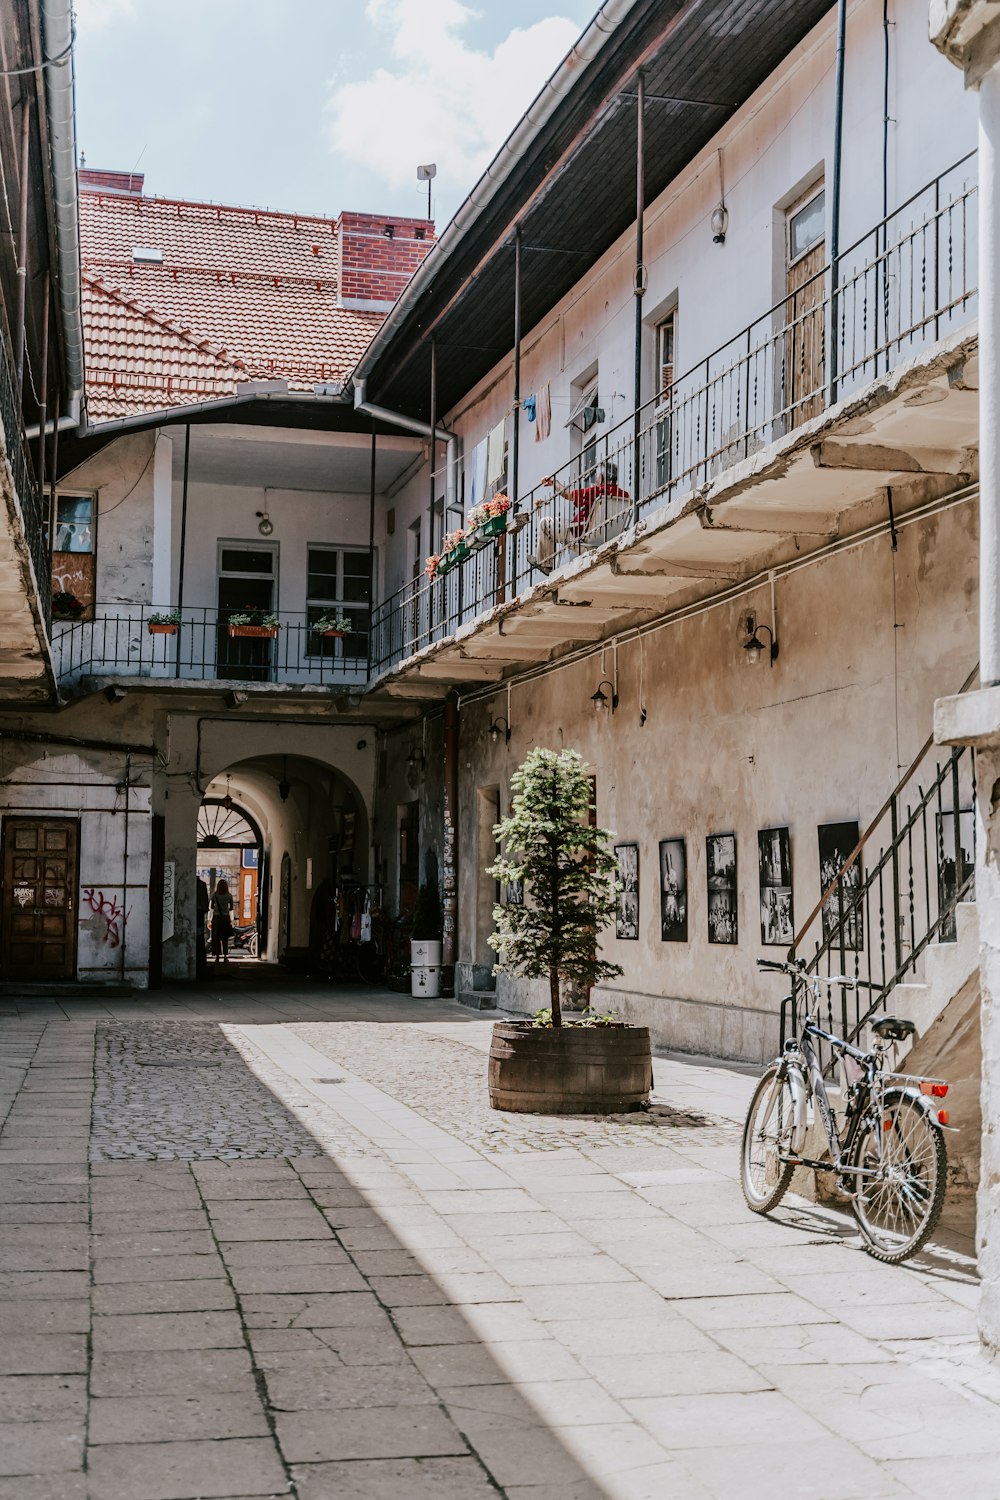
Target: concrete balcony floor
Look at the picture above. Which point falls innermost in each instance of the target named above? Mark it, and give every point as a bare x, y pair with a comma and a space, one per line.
266, 1240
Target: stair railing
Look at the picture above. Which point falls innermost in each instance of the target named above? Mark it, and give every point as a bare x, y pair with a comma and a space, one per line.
876, 924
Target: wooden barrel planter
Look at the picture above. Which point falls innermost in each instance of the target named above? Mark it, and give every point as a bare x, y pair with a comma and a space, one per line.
569, 1070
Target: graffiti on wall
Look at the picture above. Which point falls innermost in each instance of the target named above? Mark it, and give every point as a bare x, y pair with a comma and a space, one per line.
108, 917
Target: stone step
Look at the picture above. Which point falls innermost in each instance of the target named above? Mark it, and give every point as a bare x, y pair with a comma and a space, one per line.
477, 999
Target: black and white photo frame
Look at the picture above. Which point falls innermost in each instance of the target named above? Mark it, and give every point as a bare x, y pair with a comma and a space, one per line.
723, 918
673, 891
627, 892
774, 864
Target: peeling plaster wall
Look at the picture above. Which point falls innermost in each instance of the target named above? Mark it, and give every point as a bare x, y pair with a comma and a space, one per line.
730, 748
774, 148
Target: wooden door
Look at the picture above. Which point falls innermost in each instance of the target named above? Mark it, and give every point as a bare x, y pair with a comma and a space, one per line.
38, 902
805, 241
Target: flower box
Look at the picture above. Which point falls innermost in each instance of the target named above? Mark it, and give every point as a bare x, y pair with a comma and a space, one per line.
156, 627
333, 635
454, 556
258, 632
485, 533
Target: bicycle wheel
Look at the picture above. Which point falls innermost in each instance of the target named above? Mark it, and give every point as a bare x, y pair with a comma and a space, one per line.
764, 1177
899, 1205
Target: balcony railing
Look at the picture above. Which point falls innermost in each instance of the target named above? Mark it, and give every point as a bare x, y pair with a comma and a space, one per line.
122, 642
25, 487
905, 284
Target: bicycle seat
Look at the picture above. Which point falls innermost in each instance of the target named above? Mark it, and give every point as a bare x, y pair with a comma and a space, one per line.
893, 1028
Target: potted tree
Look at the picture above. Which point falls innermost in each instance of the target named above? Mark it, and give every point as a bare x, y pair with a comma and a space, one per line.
425, 941
255, 622
165, 623
593, 1065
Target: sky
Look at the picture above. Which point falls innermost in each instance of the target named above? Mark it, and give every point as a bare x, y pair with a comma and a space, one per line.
312, 105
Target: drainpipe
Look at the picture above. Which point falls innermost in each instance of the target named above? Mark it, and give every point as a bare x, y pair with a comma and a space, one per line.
449, 949
433, 427
22, 243
640, 275
183, 546
422, 429
57, 34
838, 154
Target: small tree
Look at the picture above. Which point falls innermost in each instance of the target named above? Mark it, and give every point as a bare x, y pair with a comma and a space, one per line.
567, 873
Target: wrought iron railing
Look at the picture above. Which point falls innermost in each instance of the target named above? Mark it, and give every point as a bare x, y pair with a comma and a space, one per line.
895, 893
121, 641
26, 492
905, 284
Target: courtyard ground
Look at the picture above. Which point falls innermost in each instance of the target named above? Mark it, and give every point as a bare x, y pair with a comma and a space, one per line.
269, 1242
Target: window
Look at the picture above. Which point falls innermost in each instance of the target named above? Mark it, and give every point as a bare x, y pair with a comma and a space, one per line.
74, 532
806, 227
339, 582
665, 356
74, 523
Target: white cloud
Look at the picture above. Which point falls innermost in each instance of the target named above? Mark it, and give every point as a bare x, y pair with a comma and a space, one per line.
93, 14
437, 98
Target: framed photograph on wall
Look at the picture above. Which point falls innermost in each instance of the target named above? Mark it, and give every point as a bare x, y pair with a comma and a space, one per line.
513, 893
627, 909
673, 891
836, 842
774, 862
723, 921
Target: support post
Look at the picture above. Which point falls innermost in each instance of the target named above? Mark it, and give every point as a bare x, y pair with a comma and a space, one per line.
515, 437
433, 464
640, 277
371, 550
22, 243
989, 378
44, 398
838, 153
449, 949
180, 564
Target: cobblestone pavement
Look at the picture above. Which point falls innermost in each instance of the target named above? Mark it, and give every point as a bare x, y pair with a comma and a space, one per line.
336, 1281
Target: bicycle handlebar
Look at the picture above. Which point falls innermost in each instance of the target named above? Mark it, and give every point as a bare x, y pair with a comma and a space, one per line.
796, 968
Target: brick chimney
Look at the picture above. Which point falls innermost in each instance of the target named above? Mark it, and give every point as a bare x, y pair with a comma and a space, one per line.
123, 184
376, 256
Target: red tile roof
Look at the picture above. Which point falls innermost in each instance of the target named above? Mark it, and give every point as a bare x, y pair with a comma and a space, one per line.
240, 294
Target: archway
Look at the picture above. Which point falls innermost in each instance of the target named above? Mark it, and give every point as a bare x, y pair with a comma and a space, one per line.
231, 848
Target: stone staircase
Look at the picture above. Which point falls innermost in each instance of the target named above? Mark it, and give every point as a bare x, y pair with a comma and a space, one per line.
947, 967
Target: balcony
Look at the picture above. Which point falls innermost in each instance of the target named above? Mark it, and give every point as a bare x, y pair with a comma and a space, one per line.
123, 645
25, 570
863, 378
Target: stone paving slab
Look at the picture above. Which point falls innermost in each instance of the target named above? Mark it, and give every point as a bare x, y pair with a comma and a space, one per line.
378, 1290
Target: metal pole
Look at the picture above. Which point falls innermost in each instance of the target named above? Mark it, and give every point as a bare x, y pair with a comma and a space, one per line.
22, 244
371, 551
989, 378
449, 949
640, 273
430, 511
180, 565
838, 154
515, 446
43, 403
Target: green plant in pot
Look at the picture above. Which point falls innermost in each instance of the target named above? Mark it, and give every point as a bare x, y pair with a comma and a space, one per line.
549, 1066
426, 932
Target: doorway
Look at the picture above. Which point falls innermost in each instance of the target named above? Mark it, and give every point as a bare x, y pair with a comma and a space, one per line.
248, 575
805, 288
38, 915
230, 848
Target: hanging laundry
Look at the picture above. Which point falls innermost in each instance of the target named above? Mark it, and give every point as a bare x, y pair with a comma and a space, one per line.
477, 475
543, 408
496, 452
528, 407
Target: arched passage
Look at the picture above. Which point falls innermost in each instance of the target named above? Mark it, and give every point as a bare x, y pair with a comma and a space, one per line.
231, 848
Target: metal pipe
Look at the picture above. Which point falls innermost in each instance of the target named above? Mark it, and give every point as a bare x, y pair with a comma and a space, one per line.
515, 444
433, 426
54, 480
42, 405
63, 423
180, 564
449, 948
640, 274
989, 377
57, 34
422, 429
371, 550
22, 243
838, 157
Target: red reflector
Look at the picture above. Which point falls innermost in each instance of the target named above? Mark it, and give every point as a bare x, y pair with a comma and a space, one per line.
944, 1117
935, 1090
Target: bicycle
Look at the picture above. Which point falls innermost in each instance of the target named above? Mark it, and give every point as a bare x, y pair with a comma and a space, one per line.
888, 1151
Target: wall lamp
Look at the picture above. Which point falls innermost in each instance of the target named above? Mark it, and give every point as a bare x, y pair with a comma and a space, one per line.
114, 694
235, 698
496, 731
600, 699
755, 647
284, 785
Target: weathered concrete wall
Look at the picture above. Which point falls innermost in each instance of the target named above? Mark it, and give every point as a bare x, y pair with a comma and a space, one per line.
728, 748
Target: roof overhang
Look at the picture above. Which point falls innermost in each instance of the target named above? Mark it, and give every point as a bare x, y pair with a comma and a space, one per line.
567, 176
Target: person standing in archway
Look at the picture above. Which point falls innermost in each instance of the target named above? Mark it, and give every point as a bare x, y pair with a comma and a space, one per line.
222, 921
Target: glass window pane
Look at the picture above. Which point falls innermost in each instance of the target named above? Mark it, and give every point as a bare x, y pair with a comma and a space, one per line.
356, 590
807, 227
74, 523
322, 560
247, 560
356, 564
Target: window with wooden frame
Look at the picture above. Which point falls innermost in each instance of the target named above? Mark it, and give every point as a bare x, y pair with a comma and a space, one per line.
665, 331
338, 582
74, 549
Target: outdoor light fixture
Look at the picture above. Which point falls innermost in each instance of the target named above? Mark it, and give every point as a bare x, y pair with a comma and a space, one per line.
496, 731
284, 785
264, 523
114, 694
720, 223
235, 698
755, 647
600, 699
